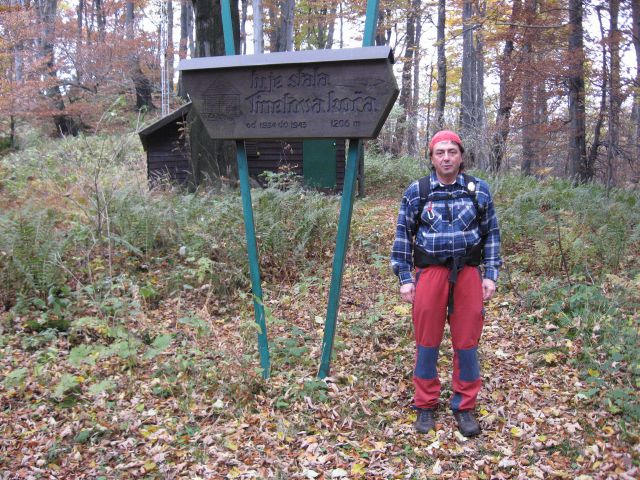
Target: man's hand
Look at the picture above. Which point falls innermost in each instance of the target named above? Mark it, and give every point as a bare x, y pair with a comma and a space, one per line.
488, 288
407, 292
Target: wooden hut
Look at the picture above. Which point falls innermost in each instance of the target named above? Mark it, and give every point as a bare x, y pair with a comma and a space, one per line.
320, 162
167, 152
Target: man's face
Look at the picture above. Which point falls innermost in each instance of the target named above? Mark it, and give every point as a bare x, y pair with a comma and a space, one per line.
446, 159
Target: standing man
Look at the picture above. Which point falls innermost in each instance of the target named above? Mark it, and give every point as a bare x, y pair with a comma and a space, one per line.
447, 229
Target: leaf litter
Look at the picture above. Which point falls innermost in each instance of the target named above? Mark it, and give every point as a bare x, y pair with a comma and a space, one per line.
197, 408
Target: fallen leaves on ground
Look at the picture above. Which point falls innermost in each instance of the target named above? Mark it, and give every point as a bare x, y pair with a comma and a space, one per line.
199, 409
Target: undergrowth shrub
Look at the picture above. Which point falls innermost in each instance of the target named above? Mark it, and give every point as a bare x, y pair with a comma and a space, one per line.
140, 221
293, 227
203, 233
31, 248
553, 227
385, 173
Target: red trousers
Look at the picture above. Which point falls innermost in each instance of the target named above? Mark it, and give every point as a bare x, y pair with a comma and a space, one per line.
465, 323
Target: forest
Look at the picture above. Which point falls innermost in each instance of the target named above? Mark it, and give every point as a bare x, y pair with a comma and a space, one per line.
127, 332
521, 80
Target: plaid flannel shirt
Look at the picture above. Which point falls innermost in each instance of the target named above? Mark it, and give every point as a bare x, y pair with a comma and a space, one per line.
450, 229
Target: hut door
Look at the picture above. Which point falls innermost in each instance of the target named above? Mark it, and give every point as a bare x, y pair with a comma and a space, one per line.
319, 163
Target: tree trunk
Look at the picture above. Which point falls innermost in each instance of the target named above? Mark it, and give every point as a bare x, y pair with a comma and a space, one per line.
412, 132
18, 55
441, 96
506, 95
186, 24
170, 45
101, 20
528, 127
405, 99
383, 31
332, 27
243, 26
597, 130
577, 145
46, 11
480, 127
284, 39
141, 83
429, 94
615, 97
472, 65
412, 110
528, 103
258, 33
468, 70
212, 160
635, 16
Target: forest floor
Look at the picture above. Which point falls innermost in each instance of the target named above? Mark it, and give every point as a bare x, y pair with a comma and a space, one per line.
198, 408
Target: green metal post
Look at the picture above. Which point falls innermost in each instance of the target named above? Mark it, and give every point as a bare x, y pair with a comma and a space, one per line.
344, 224
227, 28
249, 225
370, 24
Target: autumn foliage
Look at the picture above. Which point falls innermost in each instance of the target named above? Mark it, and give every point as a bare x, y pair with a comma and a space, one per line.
68, 60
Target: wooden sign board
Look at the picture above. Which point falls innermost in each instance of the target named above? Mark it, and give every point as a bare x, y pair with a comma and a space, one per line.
344, 93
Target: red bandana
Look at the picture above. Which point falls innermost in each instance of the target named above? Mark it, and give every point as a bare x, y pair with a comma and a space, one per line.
443, 136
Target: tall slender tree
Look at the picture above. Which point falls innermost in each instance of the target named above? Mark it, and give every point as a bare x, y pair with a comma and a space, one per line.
258, 32
529, 130
592, 153
140, 81
507, 93
615, 95
283, 40
635, 34
406, 94
186, 29
472, 99
46, 11
481, 145
170, 49
577, 153
412, 132
441, 96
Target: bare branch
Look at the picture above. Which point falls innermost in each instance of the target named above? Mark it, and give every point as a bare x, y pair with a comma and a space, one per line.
524, 25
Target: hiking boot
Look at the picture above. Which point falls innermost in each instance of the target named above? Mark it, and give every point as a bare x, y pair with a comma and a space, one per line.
467, 423
426, 421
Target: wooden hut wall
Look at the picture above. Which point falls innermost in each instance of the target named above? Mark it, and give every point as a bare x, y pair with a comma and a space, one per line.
167, 155
286, 155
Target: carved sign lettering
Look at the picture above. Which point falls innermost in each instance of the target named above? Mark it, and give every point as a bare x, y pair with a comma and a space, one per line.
315, 94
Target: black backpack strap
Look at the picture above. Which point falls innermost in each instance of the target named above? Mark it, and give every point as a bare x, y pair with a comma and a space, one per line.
424, 189
471, 184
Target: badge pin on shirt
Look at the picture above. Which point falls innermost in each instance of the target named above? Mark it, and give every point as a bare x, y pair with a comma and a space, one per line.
430, 213
471, 187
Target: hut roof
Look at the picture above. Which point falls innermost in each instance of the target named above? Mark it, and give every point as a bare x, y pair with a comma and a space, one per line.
158, 124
